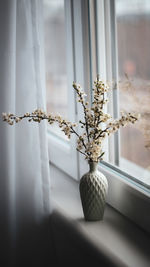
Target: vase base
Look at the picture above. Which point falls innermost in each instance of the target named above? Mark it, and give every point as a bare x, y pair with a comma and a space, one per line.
93, 190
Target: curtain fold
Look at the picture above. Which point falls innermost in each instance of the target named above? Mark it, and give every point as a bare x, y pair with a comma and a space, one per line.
24, 163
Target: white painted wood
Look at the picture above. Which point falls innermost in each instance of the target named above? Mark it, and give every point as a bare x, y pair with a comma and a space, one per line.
128, 196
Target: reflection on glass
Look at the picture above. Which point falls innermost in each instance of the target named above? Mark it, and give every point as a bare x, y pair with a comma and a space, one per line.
133, 37
55, 59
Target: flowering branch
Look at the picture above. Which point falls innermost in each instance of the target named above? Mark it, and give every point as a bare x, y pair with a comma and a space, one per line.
81, 100
96, 125
37, 116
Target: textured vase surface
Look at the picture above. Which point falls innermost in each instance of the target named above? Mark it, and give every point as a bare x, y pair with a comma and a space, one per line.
93, 191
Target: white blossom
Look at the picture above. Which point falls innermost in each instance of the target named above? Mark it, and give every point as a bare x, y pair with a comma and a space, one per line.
97, 124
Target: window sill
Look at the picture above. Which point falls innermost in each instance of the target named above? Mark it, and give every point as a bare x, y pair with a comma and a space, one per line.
115, 236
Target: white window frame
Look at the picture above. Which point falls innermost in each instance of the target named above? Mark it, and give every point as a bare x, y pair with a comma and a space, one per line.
63, 154
125, 194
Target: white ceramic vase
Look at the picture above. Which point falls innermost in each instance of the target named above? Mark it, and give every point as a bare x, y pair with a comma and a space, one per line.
93, 191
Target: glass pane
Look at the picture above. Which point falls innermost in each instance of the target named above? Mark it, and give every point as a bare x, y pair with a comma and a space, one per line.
55, 59
133, 40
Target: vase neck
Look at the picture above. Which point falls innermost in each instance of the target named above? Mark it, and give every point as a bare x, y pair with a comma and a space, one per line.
93, 166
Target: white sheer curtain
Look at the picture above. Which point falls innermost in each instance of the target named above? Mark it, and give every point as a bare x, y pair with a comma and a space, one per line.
24, 169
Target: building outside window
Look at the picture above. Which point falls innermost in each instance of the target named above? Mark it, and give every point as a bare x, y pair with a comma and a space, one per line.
55, 59
133, 38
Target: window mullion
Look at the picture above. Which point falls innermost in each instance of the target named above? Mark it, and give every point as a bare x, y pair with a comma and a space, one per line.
115, 79
112, 75
82, 59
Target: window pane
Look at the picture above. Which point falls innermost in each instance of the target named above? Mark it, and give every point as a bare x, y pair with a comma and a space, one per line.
133, 40
55, 59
